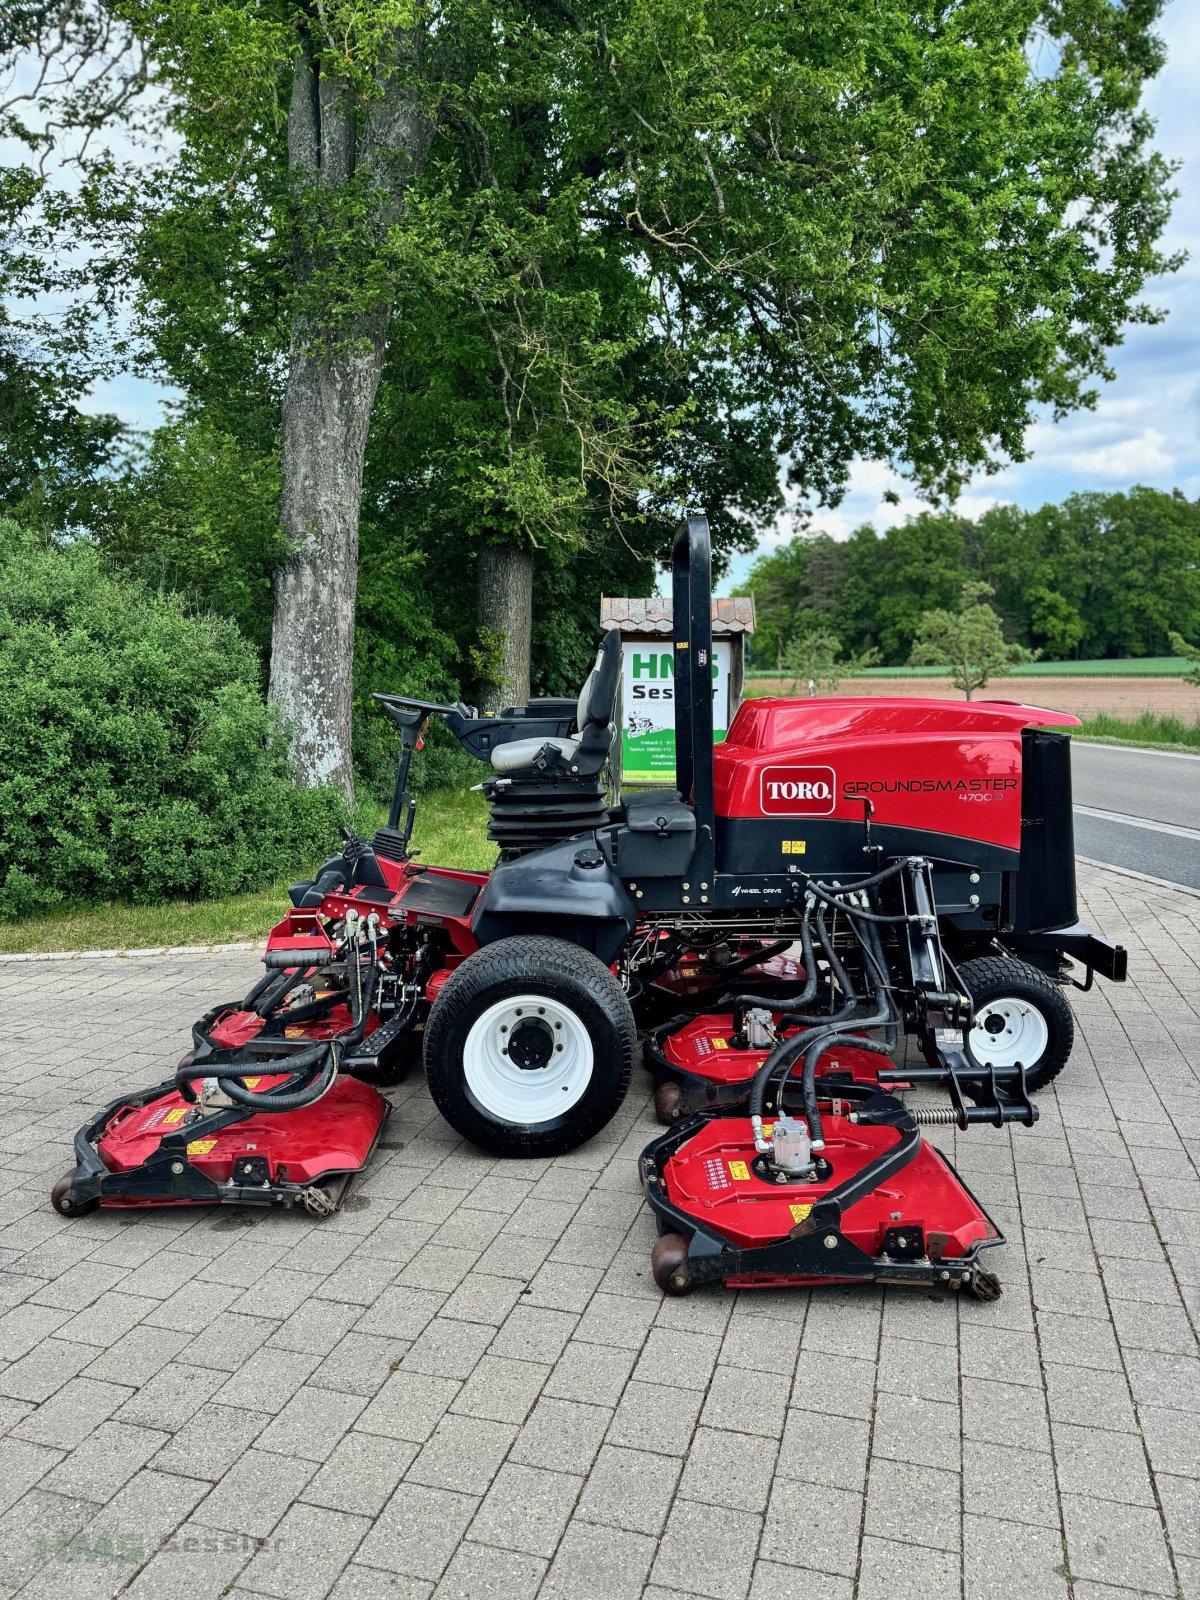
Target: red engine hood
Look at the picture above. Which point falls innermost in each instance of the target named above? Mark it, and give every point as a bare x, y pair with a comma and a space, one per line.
942, 766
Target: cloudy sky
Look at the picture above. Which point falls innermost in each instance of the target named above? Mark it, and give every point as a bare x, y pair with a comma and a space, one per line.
1146, 425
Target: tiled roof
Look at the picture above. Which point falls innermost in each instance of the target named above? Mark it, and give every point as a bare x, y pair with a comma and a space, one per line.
653, 615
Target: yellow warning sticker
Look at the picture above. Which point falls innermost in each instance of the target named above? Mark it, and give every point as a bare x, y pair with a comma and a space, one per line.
252, 1083
799, 1213
740, 1171
201, 1147
172, 1118
793, 847
720, 1044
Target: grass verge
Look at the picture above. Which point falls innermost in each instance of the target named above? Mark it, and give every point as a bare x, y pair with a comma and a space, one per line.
450, 832
1149, 731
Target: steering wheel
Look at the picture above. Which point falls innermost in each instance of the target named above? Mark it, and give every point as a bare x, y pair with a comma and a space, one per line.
406, 711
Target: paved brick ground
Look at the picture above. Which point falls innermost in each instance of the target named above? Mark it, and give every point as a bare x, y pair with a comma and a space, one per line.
467, 1385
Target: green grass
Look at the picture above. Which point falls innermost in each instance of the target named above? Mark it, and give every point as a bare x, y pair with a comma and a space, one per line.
450, 832
1149, 731
1142, 667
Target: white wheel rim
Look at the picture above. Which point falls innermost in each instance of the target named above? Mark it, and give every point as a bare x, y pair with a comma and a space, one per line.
1018, 1032
528, 1094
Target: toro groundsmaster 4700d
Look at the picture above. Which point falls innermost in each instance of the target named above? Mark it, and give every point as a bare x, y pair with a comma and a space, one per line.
836, 873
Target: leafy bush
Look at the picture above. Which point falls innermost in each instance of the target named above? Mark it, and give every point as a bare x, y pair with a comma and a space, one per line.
137, 758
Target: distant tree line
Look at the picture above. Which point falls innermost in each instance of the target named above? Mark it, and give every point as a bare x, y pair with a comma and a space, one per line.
1099, 576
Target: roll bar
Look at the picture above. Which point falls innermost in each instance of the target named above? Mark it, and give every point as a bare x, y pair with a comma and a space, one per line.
691, 606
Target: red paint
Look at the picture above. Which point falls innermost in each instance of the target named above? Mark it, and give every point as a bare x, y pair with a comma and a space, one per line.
701, 1179
945, 766
235, 1029
703, 1049
333, 1135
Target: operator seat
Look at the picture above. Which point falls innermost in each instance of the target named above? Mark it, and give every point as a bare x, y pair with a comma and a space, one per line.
583, 752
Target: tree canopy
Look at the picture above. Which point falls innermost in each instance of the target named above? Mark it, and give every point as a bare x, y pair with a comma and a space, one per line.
528, 277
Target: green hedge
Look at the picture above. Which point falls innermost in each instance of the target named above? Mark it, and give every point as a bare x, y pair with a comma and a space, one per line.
137, 758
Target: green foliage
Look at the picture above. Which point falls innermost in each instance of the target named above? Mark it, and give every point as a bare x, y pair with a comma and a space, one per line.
1150, 729
1191, 654
137, 758
814, 661
1099, 575
969, 641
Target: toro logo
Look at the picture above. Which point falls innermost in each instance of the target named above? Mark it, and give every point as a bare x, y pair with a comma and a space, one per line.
797, 791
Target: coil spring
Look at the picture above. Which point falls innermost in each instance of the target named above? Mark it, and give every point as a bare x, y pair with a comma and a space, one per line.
931, 1114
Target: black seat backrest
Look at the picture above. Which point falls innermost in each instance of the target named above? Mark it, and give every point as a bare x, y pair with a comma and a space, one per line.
598, 697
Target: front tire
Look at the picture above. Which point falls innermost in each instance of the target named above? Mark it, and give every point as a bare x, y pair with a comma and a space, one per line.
529, 1047
1019, 1015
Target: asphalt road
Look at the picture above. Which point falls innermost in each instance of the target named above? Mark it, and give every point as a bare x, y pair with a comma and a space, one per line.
1138, 809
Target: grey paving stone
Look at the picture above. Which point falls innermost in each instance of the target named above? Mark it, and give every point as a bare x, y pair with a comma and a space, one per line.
1172, 1440
209, 1442
401, 1313
742, 1401
478, 1570
1110, 1466
1091, 1397
308, 1550
592, 1373
361, 1363
316, 1327
563, 1435
269, 1381
772, 1581
1180, 1499
1004, 1413
361, 1474
1122, 1545
449, 1349
763, 1344
813, 1527
526, 1509
254, 1494
1016, 1485
617, 1320
598, 1563
892, 1571
653, 1417
1001, 1562
501, 1389
418, 1531
683, 1360
409, 1406
630, 1489
358, 1582
483, 1298
462, 1453
73, 1412
37, 1375
825, 1448
530, 1333
103, 1462
22, 1465
914, 1505
311, 1423
708, 1550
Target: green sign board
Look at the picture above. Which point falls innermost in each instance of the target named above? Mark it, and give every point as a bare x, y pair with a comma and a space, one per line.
648, 708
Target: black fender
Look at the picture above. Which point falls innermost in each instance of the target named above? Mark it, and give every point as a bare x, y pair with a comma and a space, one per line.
566, 891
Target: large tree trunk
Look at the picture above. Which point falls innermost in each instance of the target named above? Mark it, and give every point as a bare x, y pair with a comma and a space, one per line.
326, 414
505, 616
333, 377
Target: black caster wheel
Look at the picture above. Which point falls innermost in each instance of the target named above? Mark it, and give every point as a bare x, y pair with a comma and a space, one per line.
668, 1103
65, 1201
983, 1285
668, 1264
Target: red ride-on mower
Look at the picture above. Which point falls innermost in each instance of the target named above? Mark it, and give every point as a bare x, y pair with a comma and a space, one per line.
748, 882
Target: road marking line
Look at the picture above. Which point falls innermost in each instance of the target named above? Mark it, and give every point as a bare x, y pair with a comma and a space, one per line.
1134, 750
1140, 822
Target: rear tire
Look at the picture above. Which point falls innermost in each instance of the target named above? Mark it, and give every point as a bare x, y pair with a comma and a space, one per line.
1020, 1015
529, 1047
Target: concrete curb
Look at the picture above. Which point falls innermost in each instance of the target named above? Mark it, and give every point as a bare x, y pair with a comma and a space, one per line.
1141, 877
129, 955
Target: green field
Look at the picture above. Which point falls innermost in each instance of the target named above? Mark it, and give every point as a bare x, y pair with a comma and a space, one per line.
1143, 667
